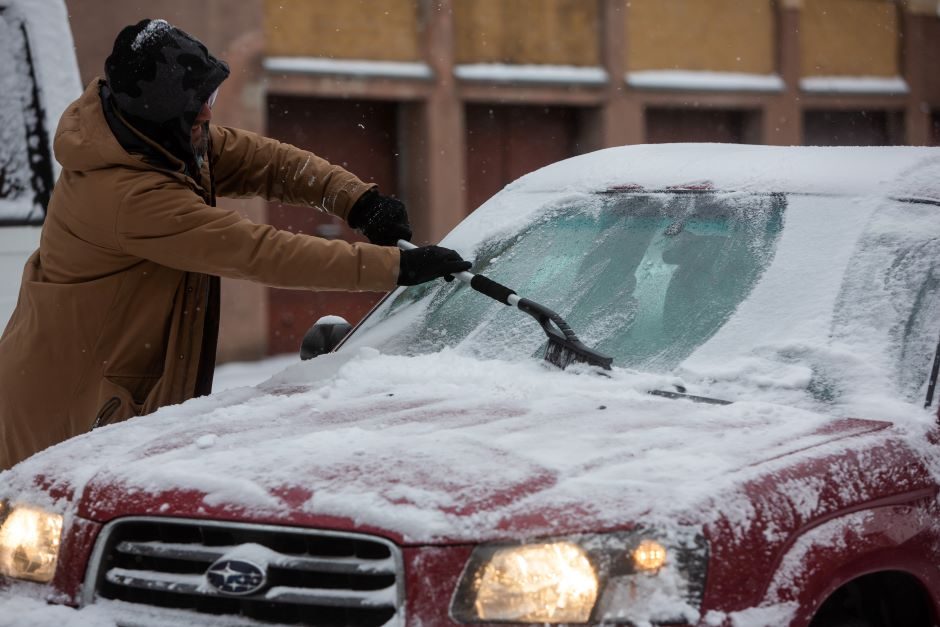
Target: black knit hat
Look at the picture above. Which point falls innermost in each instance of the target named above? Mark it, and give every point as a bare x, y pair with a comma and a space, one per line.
159, 77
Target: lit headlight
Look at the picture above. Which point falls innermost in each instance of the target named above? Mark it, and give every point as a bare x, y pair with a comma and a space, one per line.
640, 576
552, 582
29, 542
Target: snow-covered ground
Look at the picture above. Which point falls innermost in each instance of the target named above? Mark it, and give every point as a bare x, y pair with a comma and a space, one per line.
20, 610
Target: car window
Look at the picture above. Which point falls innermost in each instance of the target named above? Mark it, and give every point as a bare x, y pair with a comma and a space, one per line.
890, 297
645, 278
25, 163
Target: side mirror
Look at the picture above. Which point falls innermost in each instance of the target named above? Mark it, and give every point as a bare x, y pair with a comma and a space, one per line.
325, 334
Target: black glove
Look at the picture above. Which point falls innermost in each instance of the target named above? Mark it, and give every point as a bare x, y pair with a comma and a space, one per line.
383, 219
429, 262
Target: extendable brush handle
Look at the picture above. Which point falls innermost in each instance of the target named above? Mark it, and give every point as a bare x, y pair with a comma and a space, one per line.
482, 284
501, 293
563, 348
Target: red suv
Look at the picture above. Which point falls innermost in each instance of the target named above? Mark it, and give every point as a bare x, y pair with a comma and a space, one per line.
763, 451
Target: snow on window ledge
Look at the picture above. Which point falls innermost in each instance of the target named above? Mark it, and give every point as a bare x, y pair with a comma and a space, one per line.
322, 66
854, 85
704, 81
532, 74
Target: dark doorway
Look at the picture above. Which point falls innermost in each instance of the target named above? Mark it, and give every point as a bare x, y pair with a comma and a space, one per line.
935, 128
853, 128
360, 136
505, 142
665, 125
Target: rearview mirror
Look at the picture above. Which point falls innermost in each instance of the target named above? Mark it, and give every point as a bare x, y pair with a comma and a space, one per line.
325, 334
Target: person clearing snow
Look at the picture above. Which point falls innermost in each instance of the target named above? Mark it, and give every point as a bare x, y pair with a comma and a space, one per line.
118, 310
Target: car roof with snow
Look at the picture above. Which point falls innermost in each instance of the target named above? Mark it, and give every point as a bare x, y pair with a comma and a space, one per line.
894, 171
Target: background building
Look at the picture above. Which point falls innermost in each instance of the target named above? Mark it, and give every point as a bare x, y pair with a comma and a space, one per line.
442, 102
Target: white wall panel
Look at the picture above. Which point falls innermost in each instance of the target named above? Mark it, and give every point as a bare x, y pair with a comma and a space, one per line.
16, 245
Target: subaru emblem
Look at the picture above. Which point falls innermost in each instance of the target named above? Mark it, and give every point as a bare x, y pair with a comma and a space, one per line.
236, 577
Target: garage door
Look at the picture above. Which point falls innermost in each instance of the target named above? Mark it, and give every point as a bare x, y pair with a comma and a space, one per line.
665, 125
852, 128
505, 142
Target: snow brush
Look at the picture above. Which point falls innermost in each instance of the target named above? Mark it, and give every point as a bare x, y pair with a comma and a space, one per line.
564, 348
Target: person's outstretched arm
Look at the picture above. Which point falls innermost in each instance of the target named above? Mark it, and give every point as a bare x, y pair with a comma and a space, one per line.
173, 227
246, 164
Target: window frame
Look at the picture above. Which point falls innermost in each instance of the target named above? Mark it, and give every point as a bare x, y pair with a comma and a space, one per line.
39, 153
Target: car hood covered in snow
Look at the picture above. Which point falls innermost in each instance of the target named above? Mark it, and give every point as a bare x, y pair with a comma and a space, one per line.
443, 448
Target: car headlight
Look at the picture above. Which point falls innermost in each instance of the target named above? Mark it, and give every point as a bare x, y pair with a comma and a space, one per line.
639, 576
29, 542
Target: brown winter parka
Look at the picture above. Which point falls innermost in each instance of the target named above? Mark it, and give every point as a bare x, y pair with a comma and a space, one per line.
111, 320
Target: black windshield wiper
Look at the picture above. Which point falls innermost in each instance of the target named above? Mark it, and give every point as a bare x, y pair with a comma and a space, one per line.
689, 397
932, 382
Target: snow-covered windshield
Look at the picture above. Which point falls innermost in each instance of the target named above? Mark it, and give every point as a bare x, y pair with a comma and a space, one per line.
645, 278
804, 299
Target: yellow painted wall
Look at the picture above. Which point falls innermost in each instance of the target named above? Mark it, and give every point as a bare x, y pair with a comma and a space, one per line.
558, 32
343, 29
849, 38
715, 35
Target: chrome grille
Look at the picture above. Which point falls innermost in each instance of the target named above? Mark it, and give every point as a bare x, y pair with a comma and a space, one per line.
313, 577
